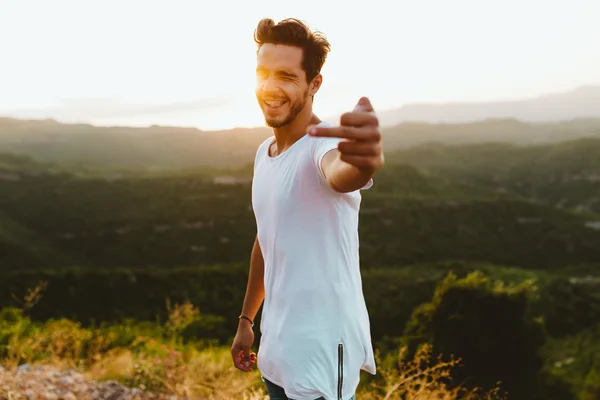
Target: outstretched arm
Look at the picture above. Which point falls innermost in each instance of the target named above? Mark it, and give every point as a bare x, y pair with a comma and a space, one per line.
353, 164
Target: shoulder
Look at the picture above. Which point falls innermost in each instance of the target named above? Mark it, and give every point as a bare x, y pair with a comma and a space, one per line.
263, 147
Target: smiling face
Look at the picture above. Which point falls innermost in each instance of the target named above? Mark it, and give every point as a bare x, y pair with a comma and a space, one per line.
281, 87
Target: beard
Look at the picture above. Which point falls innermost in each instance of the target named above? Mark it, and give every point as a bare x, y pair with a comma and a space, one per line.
295, 109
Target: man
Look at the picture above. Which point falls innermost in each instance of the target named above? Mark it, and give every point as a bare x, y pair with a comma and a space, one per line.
306, 197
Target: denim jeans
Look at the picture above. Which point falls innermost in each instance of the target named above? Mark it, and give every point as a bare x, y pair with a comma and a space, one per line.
277, 393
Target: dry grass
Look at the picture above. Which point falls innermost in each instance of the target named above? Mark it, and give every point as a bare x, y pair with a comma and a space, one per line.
422, 378
205, 374
166, 365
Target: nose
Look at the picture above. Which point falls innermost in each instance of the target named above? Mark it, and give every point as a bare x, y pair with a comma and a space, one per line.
268, 85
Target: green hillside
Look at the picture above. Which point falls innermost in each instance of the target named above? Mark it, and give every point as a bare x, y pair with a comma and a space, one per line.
21, 246
564, 175
143, 148
186, 219
175, 148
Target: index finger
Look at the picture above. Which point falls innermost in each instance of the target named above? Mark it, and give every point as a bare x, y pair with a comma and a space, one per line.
345, 132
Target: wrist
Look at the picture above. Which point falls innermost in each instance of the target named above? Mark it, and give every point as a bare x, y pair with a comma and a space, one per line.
245, 321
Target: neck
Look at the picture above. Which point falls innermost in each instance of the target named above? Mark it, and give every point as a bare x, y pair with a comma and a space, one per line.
287, 135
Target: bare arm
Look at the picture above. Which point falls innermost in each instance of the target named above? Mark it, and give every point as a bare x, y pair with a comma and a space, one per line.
359, 155
255, 294
255, 290
344, 177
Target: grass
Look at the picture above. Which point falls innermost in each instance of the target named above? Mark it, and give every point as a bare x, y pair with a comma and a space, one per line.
156, 359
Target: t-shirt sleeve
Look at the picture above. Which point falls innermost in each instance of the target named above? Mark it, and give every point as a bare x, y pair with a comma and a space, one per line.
323, 146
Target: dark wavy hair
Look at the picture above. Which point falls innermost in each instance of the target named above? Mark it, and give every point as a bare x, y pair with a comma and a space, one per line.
294, 32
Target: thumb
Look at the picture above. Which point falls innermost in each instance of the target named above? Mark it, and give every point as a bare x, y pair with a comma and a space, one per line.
364, 105
246, 352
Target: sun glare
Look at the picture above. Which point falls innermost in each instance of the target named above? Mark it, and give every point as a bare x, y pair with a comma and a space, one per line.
155, 56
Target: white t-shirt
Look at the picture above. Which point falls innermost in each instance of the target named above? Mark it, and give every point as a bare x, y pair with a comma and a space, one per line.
315, 325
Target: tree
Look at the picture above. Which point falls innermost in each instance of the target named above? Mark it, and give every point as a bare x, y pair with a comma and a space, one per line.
485, 325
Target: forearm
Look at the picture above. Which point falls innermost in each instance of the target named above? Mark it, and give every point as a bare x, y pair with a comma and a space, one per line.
345, 177
255, 290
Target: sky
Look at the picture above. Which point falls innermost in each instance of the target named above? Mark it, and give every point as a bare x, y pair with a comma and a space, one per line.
192, 63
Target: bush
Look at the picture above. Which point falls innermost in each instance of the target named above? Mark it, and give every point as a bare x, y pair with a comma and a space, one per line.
484, 323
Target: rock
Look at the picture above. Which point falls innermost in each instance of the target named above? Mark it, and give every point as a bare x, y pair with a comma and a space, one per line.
34, 382
23, 368
66, 380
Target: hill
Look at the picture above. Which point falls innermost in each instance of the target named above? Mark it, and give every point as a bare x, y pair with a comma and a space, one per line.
410, 216
508, 131
563, 175
159, 148
581, 102
145, 148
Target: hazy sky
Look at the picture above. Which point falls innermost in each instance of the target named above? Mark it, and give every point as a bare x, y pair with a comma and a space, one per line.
192, 62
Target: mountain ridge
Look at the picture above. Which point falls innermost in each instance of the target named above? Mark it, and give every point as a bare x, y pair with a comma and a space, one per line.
579, 103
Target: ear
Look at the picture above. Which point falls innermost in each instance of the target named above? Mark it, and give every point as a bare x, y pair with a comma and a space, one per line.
315, 84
